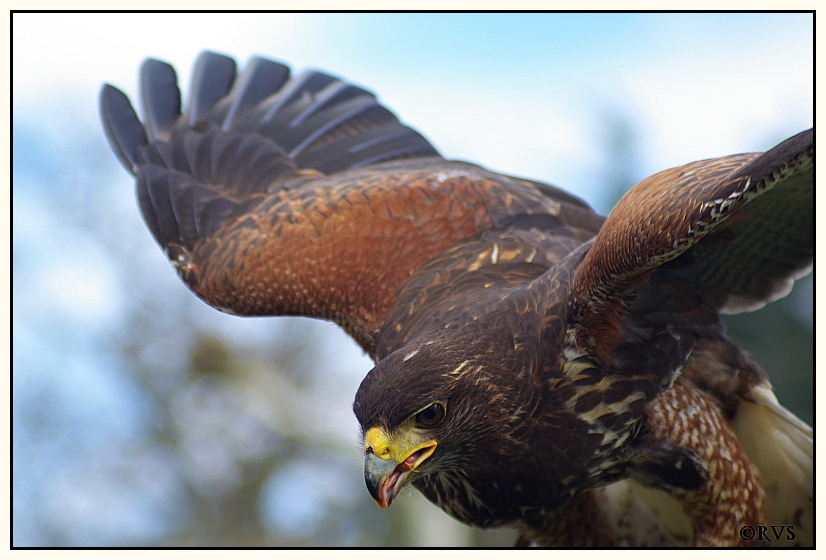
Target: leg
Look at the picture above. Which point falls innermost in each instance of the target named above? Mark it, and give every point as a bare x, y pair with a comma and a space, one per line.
687, 417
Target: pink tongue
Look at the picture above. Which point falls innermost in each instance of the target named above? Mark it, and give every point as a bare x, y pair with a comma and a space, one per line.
387, 487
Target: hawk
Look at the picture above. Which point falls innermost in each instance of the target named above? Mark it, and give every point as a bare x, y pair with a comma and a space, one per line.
537, 365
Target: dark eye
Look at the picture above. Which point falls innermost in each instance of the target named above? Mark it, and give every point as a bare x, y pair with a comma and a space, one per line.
431, 416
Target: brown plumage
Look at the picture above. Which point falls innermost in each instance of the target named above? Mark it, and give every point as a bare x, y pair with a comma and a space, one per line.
537, 365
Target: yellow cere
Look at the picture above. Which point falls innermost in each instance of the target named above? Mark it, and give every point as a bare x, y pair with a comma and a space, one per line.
399, 445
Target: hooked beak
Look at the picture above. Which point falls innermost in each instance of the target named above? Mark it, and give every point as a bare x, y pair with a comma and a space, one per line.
383, 474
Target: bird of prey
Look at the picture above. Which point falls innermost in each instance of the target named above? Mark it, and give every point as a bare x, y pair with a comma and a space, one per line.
537, 365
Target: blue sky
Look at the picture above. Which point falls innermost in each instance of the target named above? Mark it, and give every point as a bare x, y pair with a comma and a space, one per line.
525, 94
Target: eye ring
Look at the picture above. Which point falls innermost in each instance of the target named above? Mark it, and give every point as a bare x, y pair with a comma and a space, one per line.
431, 415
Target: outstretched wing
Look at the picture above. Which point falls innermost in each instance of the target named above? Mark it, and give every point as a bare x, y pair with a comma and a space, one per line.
730, 233
742, 227
279, 195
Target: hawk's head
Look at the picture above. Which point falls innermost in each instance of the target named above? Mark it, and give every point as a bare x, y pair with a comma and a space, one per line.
457, 414
425, 416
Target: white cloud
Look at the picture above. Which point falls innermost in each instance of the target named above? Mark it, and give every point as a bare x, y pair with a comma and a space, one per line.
53, 52
696, 110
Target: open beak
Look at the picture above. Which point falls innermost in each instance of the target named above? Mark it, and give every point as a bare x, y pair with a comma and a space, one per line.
383, 474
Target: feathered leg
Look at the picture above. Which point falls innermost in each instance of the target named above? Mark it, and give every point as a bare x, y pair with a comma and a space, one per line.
731, 499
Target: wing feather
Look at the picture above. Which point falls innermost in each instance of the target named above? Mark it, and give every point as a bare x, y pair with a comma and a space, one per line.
123, 128
743, 226
755, 256
258, 80
161, 98
212, 79
278, 195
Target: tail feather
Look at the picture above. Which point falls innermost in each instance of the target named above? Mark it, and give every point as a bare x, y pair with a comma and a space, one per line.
782, 448
644, 517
